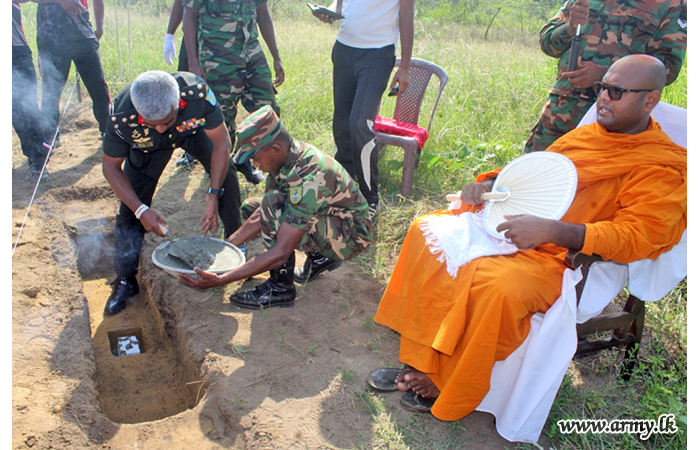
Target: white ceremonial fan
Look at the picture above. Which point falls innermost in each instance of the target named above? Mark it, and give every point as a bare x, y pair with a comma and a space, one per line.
541, 184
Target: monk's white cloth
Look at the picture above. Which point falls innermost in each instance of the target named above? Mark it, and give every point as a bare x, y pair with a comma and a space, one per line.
460, 239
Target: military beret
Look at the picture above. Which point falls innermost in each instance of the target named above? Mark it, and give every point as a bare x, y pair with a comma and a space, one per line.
256, 131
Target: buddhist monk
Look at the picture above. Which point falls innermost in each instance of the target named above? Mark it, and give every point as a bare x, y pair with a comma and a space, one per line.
630, 204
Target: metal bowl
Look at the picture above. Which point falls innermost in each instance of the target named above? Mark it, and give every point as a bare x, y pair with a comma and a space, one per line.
227, 256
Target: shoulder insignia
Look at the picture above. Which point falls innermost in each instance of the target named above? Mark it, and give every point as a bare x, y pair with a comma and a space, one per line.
295, 194
211, 97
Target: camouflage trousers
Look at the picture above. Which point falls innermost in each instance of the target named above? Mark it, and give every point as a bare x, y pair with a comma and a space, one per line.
247, 82
559, 115
338, 236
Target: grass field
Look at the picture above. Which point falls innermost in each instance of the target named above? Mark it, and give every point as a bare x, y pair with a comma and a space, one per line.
493, 98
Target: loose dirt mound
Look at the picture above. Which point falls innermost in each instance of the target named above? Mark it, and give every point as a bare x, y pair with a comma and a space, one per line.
210, 375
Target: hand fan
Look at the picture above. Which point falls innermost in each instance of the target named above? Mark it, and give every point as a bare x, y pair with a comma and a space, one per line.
541, 184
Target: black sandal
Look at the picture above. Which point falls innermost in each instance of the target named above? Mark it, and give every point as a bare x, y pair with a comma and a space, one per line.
384, 379
414, 402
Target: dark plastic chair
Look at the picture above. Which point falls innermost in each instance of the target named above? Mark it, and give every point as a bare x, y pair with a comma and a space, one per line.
407, 110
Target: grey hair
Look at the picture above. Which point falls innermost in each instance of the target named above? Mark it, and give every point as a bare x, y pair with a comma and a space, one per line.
155, 94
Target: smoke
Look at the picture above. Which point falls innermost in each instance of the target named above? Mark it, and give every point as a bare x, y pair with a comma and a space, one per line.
93, 243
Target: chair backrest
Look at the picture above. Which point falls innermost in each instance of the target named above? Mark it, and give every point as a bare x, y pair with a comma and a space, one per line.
409, 102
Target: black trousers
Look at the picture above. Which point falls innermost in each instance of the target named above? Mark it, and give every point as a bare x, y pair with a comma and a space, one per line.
26, 117
129, 231
55, 61
360, 77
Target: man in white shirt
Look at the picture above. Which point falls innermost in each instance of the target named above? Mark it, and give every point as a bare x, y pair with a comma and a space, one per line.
363, 58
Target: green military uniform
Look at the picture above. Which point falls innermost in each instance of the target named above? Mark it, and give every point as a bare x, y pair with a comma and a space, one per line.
231, 56
614, 29
314, 193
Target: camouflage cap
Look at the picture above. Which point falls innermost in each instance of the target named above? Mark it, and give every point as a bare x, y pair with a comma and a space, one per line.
256, 131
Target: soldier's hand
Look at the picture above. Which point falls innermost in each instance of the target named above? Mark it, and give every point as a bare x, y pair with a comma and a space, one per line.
206, 280
578, 15
99, 31
169, 49
196, 69
152, 221
210, 220
72, 7
279, 73
471, 193
586, 76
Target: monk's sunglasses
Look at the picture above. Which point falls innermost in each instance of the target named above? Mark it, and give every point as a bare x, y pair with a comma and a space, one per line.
614, 92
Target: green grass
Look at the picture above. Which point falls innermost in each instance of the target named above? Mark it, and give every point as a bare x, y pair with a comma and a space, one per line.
493, 98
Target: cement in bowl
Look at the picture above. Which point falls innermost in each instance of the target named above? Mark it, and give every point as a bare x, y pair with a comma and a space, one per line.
227, 256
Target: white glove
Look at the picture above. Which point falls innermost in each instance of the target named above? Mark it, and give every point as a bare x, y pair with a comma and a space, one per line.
169, 49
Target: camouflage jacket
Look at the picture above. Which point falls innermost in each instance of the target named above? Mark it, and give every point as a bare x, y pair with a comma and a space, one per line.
618, 28
227, 28
316, 184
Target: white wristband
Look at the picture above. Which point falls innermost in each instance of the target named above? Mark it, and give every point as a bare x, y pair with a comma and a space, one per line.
139, 212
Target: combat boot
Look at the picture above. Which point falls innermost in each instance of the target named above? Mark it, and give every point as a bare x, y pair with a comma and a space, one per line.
313, 267
278, 290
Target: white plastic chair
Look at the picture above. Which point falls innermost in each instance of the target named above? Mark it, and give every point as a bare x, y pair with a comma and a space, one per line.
524, 385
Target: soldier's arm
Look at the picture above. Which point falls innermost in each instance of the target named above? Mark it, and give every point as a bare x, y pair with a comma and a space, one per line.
98, 7
219, 165
669, 43
189, 28
554, 38
267, 30
176, 13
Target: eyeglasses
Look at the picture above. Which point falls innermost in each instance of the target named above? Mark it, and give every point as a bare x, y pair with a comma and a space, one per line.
614, 92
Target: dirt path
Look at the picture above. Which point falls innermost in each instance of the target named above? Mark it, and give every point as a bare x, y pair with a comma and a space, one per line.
211, 375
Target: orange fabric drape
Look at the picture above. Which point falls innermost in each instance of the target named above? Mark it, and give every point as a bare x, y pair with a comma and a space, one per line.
631, 196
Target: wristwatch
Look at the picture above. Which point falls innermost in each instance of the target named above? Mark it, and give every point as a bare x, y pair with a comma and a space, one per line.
218, 192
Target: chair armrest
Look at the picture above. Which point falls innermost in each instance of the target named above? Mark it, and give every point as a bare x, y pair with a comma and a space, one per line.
575, 258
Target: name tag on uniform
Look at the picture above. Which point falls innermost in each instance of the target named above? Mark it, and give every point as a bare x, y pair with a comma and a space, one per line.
295, 194
191, 124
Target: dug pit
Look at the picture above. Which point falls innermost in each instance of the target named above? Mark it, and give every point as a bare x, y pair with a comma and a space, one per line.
160, 379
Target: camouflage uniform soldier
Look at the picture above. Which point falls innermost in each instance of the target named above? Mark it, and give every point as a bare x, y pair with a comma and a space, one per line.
230, 58
311, 203
610, 30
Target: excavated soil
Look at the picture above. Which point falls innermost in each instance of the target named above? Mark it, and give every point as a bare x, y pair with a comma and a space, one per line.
209, 375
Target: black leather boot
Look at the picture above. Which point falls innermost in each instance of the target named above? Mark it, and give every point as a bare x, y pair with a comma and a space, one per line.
123, 288
250, 173
313, 267
278, 290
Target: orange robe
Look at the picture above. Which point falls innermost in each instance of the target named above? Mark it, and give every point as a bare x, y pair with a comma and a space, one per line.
631, 196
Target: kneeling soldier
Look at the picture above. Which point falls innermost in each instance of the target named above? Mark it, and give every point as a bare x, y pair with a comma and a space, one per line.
310, 203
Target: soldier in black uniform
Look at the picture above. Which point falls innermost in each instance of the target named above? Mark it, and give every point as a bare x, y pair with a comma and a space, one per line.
151, 117
26, 117
64, 35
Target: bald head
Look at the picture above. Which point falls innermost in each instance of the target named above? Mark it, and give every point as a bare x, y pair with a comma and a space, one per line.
642, 71
633, 86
